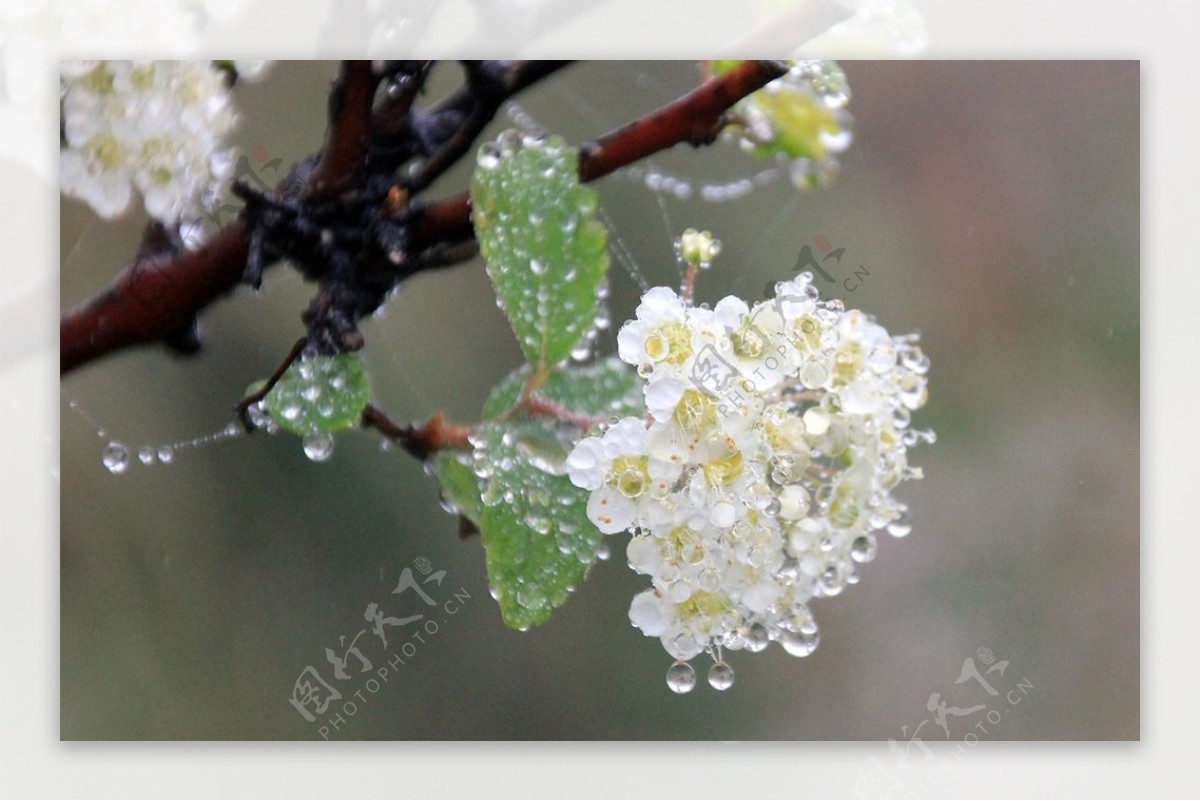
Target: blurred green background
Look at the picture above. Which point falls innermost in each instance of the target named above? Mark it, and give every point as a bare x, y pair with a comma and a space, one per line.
995, 206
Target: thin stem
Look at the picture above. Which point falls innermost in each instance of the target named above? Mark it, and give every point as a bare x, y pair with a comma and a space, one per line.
537, 406
243, 407
421, 441
688, 291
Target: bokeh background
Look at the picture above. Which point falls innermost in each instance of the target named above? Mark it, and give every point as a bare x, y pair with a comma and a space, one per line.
995, 207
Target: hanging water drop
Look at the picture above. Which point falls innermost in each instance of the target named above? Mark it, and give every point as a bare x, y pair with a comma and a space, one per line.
166, 454
901, 526
318, 447
720, 676
583, 351
863, 549
146, 455
681, 678
757, 638
800, 643
116, 458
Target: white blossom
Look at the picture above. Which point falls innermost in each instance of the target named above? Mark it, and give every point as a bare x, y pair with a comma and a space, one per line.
749, 497
155, 126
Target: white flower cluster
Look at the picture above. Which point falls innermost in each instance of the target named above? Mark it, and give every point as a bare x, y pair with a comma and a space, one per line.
35, 36
774, 437
159, 126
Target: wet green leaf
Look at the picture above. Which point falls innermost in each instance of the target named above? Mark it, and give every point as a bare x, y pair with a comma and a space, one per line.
545, 251
320, 394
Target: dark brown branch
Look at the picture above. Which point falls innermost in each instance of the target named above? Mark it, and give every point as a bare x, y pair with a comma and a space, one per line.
344, 157
489, 84
153, 297
394, 109
159, 296
421, 441
695, 118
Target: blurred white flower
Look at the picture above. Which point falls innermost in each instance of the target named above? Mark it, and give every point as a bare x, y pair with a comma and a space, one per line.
36, 34
157, 126
751, 492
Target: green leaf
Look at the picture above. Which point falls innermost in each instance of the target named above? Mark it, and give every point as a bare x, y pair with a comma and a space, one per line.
608, 388
460, 485
320, 394
545, 251
535, 529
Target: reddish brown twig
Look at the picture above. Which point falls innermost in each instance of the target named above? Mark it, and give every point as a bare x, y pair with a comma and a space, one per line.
537, 406
695, 118
152, 298
421, 441
243, 407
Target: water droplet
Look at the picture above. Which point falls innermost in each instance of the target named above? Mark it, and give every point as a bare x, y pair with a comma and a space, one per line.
166, 454
901, 526
258, 415
116, 458
863, 549
720, 676
489, 156
537, 266
318, 447
914, 359
582, 352
832, 581
800, 643
681, 678
146, 454
813, 374
757, 638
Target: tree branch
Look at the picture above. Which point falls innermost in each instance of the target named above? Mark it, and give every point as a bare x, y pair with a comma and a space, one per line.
489, 84
695, 118
153, 297
160, 295
344, 157
420, 441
